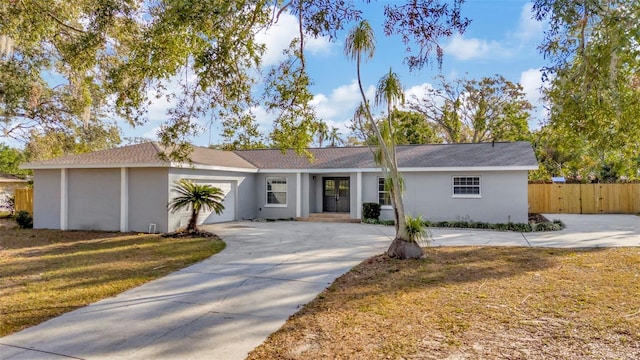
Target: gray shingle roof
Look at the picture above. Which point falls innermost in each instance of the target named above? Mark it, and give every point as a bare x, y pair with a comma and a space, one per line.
145, 154
411, 156
498, 154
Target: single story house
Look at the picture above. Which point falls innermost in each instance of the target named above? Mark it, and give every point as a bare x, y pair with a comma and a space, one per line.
128, 188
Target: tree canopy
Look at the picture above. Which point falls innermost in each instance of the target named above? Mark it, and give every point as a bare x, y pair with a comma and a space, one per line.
470, 110
66, 66
594, 88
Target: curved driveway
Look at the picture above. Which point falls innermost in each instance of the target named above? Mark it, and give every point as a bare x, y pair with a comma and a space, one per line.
223, 307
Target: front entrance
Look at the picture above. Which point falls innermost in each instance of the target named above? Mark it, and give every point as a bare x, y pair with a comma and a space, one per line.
335, 194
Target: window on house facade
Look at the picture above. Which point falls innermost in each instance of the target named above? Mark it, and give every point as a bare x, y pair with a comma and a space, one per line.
466, 186
277, 191
384, 198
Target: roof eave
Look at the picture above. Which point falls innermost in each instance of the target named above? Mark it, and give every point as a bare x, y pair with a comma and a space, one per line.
405, 169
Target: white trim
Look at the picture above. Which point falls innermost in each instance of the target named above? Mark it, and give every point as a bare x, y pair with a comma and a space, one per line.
139, 165
214, 167
359, 195
124, 199
266, 191
282, 171
94, 166
416, 169
64, 199
298, 194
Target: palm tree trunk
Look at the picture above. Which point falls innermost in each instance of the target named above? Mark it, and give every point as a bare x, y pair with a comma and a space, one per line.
192, 227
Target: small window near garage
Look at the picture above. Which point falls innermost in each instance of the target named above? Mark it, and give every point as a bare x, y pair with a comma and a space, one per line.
276, 191
384, 198
466, 186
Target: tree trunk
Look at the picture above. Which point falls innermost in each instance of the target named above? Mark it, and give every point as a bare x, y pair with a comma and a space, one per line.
191, 227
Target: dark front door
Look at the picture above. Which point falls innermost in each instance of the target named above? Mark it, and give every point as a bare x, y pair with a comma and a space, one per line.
335, 191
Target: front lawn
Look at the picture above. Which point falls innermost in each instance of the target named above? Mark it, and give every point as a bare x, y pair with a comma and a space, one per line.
44, 273
473, 303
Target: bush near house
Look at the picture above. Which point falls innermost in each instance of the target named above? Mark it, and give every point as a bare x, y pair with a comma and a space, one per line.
371, 211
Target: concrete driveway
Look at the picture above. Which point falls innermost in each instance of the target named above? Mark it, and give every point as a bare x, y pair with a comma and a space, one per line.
228, 304
580, 231
220, 308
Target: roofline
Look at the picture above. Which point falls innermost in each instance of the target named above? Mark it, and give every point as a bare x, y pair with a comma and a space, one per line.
138, 165
213, 167
91, 166
404, 169
290, 171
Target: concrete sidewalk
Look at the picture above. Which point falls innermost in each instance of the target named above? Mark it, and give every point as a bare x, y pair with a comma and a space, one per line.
225, 306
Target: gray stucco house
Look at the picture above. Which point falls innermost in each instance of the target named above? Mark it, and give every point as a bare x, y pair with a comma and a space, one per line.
128, 188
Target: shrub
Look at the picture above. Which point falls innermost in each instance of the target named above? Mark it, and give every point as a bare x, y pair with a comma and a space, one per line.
24, 219
417, 230
371, 210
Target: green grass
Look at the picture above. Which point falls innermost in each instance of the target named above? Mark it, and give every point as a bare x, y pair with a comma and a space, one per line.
473, 303
44, 273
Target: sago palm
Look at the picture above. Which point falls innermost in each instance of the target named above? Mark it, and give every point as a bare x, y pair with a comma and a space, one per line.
196, 197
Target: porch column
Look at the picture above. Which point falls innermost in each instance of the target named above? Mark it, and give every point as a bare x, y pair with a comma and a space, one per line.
64, 198
124, 200
359, 195
298, 194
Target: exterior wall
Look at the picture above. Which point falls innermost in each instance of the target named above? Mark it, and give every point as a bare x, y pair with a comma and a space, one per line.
94, 199
245, 184
148, 199
266, 211
46, 199
503, 196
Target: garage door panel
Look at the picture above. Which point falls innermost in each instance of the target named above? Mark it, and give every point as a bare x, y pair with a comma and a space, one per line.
209, 216
228, 214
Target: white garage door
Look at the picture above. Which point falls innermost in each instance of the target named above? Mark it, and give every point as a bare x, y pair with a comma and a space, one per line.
210, 217
229, 212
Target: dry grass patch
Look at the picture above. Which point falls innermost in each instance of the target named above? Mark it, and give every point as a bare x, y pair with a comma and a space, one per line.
44, 273
473, 303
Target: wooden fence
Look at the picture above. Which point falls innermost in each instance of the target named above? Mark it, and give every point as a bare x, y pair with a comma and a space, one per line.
584, 198
24, 199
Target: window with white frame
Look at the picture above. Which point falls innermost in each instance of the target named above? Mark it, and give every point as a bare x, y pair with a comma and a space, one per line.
277, 191
384, 197
466, 186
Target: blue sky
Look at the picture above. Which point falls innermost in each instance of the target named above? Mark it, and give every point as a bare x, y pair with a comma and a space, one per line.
501, 39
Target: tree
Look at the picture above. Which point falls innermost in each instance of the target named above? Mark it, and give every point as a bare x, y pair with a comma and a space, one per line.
322, 130
594, 89
67, 64
469, 110
361, 42
196, 197
334, 137
10, 160
411, 128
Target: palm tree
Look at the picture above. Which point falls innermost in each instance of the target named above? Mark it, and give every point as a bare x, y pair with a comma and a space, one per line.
334, 137
323, 132
361, 42
196, 197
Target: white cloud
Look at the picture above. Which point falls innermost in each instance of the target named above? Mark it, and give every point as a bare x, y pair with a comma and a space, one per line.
339, 106
528, 27
532, 84
462, 48
417, 91
278, 37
